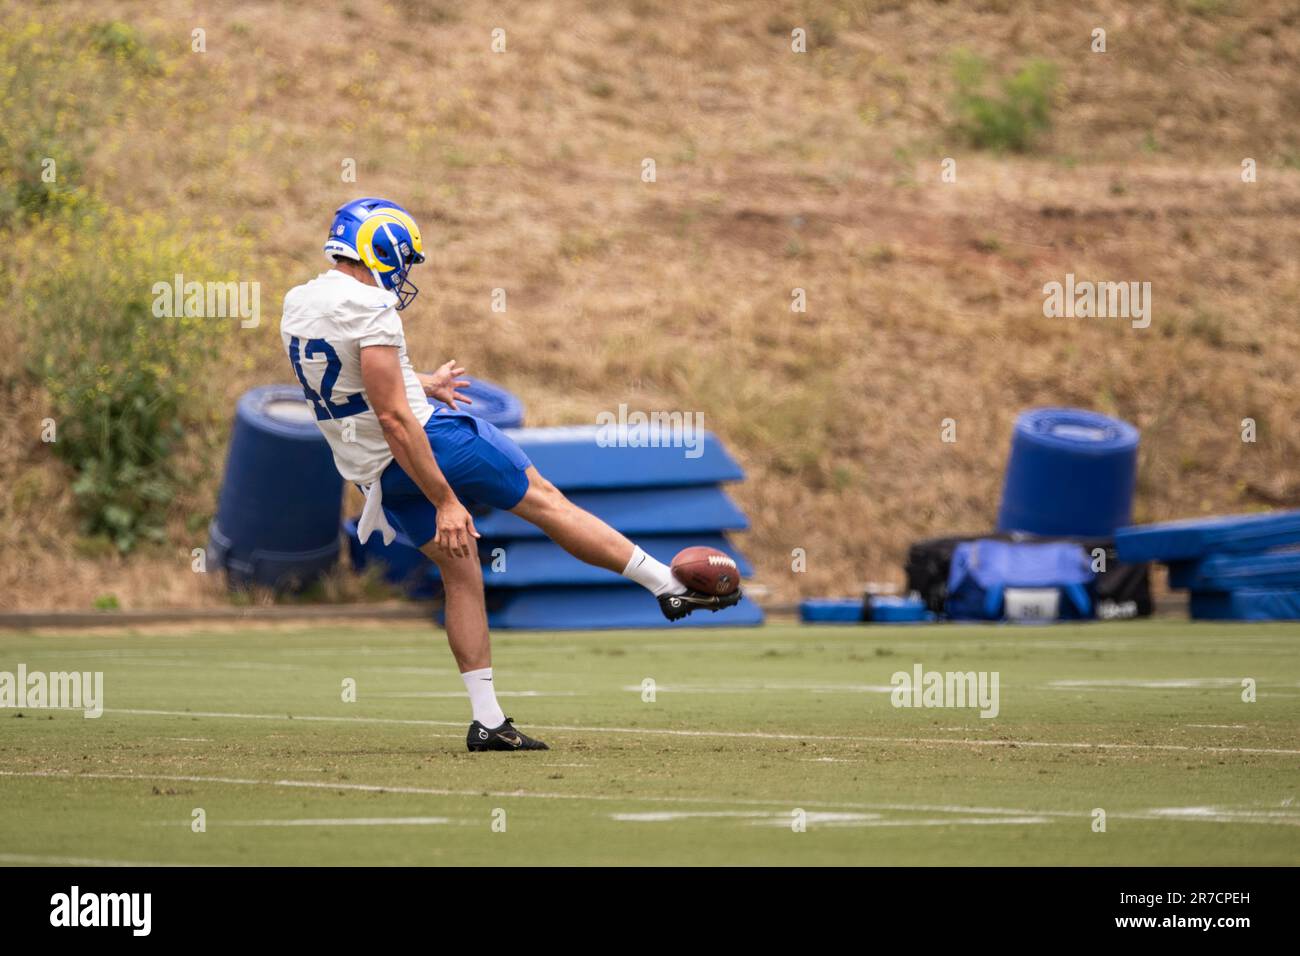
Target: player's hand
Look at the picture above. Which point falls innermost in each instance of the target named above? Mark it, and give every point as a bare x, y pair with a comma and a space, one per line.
456, 531
445, 386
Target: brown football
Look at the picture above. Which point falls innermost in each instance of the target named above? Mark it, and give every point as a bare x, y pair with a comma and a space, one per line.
707, 570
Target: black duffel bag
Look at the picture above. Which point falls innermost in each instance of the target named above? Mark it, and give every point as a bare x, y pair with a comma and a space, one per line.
1121, 591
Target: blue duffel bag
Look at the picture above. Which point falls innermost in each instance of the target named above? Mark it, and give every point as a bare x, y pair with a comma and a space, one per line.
990, 580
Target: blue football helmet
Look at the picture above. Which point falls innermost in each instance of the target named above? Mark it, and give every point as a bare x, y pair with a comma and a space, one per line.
384, 238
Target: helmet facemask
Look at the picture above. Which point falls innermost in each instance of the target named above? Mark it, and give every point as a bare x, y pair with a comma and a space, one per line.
397, 280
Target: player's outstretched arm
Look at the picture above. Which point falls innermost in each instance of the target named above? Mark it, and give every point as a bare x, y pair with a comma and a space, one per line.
381, 373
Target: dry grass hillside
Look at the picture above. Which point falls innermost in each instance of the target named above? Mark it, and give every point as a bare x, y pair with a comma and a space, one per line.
774, 171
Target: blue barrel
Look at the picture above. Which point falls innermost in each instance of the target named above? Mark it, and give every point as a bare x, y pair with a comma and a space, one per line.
1071, 473
492, 403
277, 521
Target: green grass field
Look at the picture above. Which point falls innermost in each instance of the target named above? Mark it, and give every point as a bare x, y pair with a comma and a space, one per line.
1145, 721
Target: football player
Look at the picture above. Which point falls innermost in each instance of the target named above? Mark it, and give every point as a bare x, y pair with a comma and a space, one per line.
419, 464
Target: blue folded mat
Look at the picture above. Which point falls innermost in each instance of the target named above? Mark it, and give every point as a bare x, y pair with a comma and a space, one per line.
573, 458
982, 571
1247, 604
1231, 572
1198, 537
645, 511
899, 610
831, 611
582, 608
533, 562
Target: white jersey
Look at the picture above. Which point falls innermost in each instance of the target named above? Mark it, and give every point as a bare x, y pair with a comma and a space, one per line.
326, 323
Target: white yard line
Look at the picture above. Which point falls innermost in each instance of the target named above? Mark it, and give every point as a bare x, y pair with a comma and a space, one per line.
668, 816
1207, 812
761, 686
818, 820
731, 734
356, 666
460, 694
1085, 691
333, 822
1164, 814
940, 822
1158, 683
28, 859
376, 788
861, 814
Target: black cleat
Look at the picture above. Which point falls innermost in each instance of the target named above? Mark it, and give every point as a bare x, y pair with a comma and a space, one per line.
677, 606
505, 737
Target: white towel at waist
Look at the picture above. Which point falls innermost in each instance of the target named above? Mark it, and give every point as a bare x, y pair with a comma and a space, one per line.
372, 515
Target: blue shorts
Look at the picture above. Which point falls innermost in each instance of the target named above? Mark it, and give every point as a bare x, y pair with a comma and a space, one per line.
482, 465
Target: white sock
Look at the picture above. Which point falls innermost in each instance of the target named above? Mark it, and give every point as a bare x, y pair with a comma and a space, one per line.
483, 697
652, 574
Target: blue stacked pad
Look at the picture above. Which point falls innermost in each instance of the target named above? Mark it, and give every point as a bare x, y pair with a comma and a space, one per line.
591, 457
277, 515
588, 608
1197, 537
540, 562
1247, 604
635, 512
665, 498
1227, 563
1229, 572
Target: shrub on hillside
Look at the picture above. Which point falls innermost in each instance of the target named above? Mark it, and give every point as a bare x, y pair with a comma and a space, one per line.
1010, 118
123, 381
